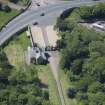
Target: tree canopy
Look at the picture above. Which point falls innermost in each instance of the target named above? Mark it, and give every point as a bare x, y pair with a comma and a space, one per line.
83, 54
20, 86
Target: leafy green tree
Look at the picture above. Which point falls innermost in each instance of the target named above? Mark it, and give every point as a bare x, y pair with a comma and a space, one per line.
86, 12
97, 99
96, 87
83, 56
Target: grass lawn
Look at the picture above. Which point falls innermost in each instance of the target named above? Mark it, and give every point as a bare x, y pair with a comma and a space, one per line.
65, 85
5, 17
15, 50
46, 77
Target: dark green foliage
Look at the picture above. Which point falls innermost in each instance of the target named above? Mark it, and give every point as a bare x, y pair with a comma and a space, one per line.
45, 95
0, 6
64, 25
97, 99
83, 55
97, 11
4, 8
20, 86
66, 13
5, 68
71, 92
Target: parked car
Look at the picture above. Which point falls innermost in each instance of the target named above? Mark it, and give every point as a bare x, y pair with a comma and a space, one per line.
42, 14
36, 23
37, 4
53, 48
48, 48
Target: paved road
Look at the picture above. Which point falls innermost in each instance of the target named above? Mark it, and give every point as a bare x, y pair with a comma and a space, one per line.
30, 16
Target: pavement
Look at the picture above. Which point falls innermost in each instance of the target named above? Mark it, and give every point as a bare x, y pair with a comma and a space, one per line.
41, 3
37, 35
31, 16
52, 35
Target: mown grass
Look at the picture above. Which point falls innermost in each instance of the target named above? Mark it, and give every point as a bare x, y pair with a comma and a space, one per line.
47, 78
65, 83
6, 16
16, 48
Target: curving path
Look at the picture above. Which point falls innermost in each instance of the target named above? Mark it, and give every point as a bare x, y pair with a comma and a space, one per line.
30, 16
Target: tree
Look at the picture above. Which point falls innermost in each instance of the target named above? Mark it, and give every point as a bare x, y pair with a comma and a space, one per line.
71, 92
97, 99
99, 10
83, 55
5, 8
32, 100
5, 68
45, 95
82, 97
96, 68
86, 12
97, 46
96, 87
0, 6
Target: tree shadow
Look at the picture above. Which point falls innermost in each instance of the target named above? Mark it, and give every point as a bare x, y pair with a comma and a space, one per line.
43, 85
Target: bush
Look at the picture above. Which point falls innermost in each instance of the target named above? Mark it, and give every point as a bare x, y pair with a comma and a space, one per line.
5, 8
45, 95
71, 92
